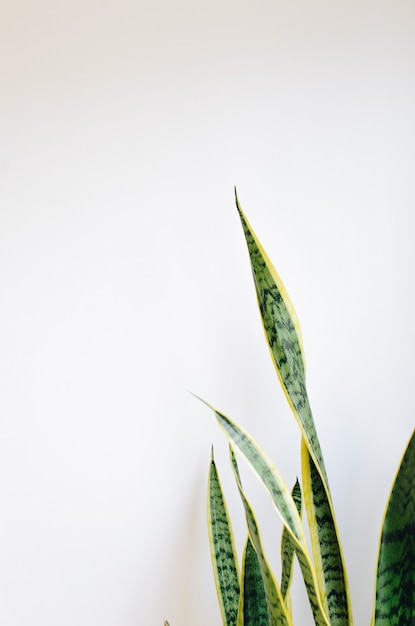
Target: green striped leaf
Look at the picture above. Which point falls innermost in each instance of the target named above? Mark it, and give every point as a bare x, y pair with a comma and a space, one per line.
395, 579
253, 609
222, 548
283, 503
277, 612
288, 548
326, 548
283, 334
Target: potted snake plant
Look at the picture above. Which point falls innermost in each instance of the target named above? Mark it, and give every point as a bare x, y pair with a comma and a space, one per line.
249, 594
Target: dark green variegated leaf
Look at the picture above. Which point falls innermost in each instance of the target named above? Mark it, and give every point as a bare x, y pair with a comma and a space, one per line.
326, 548
282, 331
223, 552
253, 602
283, 334
395, 579
288, 547
277, 611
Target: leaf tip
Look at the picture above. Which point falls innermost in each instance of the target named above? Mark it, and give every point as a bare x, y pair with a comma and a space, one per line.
203, 401
238, 206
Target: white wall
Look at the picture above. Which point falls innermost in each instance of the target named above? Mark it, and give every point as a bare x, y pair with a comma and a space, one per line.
125, 282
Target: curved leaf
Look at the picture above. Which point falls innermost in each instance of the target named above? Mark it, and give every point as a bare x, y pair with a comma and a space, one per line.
277, 611
282, 501
395, 579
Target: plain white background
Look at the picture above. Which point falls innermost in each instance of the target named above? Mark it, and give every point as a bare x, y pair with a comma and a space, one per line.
125, 283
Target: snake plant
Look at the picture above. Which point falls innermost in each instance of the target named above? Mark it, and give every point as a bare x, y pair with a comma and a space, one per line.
250, 594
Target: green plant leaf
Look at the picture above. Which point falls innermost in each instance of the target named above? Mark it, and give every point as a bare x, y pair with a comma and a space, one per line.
288, 548
282, 501
253, 609
395, 579
277, 611
283, 334
326, 548
222, 548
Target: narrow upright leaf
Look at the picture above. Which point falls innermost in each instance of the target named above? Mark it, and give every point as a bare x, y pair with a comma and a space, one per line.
253, 609
395, 579
223, 551
288, 547
283, 334
326, 548
282, 331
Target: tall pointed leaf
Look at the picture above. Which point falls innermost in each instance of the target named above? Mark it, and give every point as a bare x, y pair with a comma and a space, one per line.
223, 551
283, 334
253, 609
395, 579
282, 331
326, 548
288, 547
